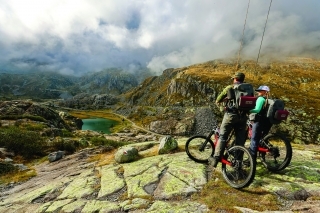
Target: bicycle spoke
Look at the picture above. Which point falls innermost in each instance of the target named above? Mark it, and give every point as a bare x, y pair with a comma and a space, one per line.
279, 152
239, 168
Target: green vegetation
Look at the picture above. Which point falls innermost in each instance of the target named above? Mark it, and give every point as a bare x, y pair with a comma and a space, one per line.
6, 168
17, 176
22, 142
66, 133
99, 141
32, 126
70, 146
17, 117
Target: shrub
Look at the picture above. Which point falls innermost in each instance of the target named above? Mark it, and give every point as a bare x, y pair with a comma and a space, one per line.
98, 141
6, 168
18, 122
64, 145
35, 118
66, 133
34, 127
83, 143
16, 117
69, 146
23, 142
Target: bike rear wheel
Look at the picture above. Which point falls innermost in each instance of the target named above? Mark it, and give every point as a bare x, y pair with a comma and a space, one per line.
199, 148
242, 168
279, 152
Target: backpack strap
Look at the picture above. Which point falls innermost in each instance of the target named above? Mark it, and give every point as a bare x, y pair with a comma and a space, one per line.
266, 98
263, 111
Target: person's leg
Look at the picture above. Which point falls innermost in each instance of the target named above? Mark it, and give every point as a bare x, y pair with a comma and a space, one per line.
266, 126
255, 138
241, 131
240, 135
225, 129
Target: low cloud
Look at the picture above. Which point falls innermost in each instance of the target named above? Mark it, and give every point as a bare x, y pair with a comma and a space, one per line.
79, 36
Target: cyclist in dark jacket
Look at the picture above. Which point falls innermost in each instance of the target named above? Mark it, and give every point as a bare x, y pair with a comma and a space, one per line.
232, 119
261, 125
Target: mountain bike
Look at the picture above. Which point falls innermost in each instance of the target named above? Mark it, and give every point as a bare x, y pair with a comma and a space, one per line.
274, 150
238, 167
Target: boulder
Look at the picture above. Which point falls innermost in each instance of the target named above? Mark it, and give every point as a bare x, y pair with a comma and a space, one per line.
4, 153
126, 154
21, 167
167, 144
54, 156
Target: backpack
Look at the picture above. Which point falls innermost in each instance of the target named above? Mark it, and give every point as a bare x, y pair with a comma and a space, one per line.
241, 97
275, 111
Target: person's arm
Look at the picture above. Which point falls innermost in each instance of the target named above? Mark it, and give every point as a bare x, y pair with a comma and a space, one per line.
259, 104
223, 94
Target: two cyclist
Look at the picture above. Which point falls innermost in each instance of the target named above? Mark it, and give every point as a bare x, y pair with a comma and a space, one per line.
236, 120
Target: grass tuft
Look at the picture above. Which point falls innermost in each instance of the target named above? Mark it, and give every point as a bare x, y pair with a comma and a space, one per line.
19, 176
220, 197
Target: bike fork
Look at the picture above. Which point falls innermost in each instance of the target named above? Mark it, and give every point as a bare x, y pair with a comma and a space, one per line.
204, 144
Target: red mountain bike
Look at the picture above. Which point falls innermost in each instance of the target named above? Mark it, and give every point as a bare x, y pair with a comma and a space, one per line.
238, 167
274, 150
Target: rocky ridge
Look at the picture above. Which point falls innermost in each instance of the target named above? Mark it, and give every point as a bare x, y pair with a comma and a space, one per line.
11, 111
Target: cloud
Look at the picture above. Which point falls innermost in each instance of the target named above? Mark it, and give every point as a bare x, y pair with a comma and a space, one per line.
79, 36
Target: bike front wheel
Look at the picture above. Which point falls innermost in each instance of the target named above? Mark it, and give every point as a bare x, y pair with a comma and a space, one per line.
279, 153
238, 167
199, 148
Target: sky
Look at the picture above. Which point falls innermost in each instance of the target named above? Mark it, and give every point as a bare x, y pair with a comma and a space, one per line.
75, 37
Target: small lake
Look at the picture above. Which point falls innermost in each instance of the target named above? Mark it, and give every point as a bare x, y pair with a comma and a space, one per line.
98, 124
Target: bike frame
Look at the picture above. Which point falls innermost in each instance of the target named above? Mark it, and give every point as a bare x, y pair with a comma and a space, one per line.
216, 138
236, 173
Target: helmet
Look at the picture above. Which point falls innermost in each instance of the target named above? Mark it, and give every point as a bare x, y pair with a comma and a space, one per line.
264, 88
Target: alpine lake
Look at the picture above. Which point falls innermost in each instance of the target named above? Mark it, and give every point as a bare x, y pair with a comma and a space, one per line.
100, 120
99, 124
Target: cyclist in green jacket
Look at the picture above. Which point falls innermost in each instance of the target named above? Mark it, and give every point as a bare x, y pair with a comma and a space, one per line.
262, 124
232, 119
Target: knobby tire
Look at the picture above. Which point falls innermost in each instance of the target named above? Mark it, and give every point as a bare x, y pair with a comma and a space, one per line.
242, 171
193, 146
280, 152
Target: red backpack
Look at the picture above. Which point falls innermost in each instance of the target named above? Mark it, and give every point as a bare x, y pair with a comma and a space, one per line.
276, 112
241, 97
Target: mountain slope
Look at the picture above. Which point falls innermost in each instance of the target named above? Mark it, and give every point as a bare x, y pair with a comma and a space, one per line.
50, 85
296, 80
114, 81
36, 84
